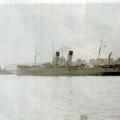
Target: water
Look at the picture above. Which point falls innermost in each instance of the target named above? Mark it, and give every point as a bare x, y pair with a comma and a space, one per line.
59, 98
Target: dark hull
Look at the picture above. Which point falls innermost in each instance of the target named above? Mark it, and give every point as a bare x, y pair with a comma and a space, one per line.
111, 74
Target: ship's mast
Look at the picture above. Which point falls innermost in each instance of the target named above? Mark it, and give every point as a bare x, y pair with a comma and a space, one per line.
62, 47
53, 51
109, 58
35, 56
100, 49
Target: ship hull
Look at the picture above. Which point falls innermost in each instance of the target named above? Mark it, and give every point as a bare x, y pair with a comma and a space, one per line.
67, 71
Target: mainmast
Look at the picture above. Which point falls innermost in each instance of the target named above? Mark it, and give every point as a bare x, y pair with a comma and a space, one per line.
100, 49
62, 48
109, 58
53, 51
35, 56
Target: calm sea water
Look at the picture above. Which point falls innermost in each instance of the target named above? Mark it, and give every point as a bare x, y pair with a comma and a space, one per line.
59, 98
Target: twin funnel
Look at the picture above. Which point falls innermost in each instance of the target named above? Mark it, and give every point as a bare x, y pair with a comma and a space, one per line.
69, 58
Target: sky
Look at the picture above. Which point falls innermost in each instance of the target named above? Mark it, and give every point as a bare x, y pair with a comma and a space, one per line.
79, 27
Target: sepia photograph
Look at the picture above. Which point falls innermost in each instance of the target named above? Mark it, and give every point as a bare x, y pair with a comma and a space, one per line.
60, 61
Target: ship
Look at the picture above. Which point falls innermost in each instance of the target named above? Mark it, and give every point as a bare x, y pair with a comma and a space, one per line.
61, 67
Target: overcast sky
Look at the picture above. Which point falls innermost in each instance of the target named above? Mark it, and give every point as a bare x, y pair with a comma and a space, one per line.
23, 28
